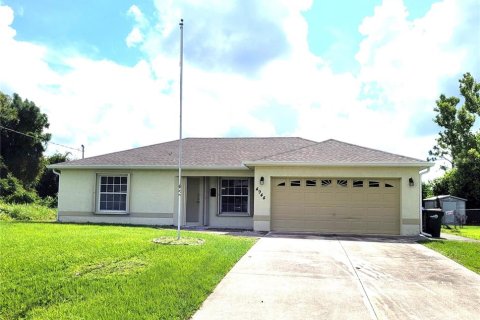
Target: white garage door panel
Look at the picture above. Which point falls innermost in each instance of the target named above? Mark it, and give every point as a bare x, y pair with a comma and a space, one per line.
331, 207
342, 197
290, 225
285, 213
358, 198
320, 225
319, 199
390, 198
318, 213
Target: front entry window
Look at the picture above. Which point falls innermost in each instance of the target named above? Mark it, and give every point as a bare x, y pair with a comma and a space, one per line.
234, 197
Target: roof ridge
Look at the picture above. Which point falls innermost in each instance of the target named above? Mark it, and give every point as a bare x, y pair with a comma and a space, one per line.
243, 138
376, 150
291, 150
341, 142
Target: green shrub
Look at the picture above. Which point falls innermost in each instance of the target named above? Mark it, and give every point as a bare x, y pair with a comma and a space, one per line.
22, 197
49, 201
12, 191
26, 212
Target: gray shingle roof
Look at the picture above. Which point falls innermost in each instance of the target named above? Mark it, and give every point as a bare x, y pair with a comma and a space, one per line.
337, 152
201, 152
236, 152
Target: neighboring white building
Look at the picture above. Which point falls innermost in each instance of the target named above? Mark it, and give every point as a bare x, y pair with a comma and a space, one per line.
447, 203
264, 184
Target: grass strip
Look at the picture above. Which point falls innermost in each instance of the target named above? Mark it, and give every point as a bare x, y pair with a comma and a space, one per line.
472, 232
465, 253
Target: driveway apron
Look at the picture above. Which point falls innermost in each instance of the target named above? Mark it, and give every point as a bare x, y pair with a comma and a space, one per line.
311, 277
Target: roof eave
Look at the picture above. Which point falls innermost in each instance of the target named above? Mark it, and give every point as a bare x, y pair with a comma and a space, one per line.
143, 167
443, 197
422, 165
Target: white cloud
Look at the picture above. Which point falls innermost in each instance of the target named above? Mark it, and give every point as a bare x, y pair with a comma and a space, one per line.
136, 36
406, 59
6, 19
406, 63
108, 107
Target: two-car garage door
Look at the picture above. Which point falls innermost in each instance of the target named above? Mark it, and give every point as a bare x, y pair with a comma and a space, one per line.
336, 205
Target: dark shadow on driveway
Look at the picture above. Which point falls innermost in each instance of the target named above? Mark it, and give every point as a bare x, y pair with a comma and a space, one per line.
346, 237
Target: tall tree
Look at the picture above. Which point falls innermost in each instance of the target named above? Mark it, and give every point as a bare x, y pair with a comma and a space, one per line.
459, 143
21, 154
48, 182
427, 190
457, 136
467, 176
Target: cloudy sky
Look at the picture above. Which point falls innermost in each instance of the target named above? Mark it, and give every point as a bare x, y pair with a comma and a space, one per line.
366, 72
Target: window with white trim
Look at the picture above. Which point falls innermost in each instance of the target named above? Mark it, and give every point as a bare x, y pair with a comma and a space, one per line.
235, 196
112, 193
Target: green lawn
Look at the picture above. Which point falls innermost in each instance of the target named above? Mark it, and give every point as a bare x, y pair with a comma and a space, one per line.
465, 253
467, 231
62, 271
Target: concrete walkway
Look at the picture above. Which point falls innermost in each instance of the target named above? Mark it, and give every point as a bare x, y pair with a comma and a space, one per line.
311, 277
448, 236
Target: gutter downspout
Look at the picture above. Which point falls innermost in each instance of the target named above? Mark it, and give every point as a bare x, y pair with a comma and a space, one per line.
422, 172
58, 174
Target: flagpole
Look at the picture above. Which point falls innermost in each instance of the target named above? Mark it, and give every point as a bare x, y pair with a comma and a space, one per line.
180, 140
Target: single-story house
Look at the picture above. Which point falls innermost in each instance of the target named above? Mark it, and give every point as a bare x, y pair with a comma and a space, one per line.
284, 184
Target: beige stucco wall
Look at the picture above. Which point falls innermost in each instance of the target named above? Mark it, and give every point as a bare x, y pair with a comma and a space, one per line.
409, 196
150, 197
153, 195
76, 191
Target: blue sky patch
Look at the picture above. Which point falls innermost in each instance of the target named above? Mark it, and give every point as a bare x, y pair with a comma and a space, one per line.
333, 28
94, 28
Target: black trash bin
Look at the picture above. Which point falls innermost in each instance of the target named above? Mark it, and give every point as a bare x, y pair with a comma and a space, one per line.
433, 221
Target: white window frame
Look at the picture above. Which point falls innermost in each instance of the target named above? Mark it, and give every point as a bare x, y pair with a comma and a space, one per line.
98, 193
232, 214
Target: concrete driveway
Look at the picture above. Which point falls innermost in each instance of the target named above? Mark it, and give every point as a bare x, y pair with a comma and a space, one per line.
309, 277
